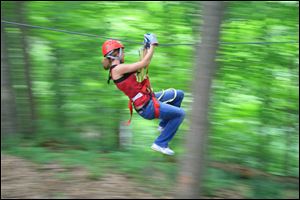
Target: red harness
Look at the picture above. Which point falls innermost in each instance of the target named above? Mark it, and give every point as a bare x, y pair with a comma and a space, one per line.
139, 93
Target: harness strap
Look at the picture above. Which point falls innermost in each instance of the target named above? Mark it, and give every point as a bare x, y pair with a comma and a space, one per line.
130, 109
156, 107
146, 90
170, 100
109, 73
139, 95
109, 55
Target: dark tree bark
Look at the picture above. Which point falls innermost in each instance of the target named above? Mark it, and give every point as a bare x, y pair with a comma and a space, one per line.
8, 104
27, 67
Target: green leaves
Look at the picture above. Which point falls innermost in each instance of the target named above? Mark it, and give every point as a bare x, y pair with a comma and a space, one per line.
255, 93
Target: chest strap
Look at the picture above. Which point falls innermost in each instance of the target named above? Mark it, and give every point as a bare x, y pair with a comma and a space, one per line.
109, 73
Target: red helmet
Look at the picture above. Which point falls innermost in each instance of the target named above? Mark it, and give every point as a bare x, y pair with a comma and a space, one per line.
110, 45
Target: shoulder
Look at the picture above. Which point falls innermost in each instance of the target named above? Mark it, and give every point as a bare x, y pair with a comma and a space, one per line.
129, 68
125, 68
119, 71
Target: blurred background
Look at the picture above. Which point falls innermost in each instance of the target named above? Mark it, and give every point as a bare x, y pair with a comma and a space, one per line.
62, 132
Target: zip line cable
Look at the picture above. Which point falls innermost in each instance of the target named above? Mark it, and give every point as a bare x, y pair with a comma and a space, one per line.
133, 42
64, 31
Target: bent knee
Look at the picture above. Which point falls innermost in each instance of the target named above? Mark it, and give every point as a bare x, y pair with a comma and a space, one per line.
182, 113
180, 94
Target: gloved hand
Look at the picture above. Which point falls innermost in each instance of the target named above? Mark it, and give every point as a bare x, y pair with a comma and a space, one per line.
149, 39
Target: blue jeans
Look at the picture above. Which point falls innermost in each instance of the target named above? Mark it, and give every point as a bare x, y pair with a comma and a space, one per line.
171, 115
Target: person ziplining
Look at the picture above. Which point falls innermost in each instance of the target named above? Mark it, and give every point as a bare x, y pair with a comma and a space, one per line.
133, 80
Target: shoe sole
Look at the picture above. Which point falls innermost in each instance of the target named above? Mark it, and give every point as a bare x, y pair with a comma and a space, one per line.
162, 152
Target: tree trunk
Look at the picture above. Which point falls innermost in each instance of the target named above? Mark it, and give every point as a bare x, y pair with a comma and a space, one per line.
8, 105
27, 68
59, 97
189, 178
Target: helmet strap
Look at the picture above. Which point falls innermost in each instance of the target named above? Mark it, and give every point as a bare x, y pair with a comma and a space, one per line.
109, 55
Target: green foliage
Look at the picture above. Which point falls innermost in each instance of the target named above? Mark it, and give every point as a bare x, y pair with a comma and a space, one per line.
254, 104
254, 107
219, 183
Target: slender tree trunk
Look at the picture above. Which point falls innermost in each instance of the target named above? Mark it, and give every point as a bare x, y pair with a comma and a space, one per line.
291, 127
286, 153
8, 104
189, 179
263, 136
59, 97
27, 68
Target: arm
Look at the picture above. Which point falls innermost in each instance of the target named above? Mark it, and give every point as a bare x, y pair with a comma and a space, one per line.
125, 68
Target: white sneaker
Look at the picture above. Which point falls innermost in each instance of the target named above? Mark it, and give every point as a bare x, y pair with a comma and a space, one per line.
164, 150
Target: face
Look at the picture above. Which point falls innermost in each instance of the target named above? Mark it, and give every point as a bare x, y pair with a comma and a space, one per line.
123, 56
